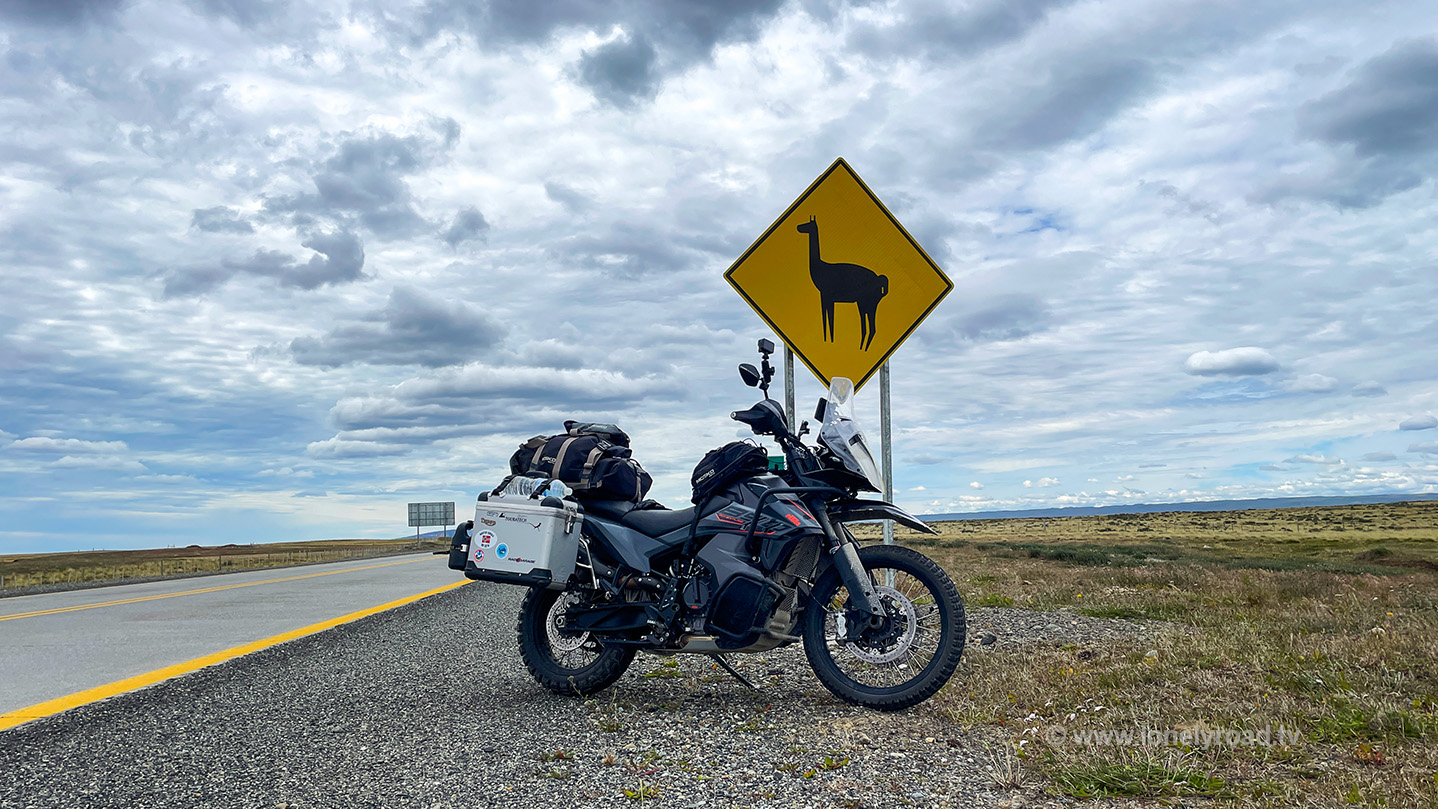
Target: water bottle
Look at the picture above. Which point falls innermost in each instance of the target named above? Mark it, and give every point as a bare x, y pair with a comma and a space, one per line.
556, 489
522, 486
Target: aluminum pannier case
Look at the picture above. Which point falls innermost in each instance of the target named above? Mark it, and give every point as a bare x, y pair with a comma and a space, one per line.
519, 540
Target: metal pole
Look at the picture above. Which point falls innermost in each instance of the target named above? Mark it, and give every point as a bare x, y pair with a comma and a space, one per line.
789, 387
885, 435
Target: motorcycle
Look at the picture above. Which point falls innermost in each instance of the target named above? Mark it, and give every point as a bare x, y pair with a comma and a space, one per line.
763, 562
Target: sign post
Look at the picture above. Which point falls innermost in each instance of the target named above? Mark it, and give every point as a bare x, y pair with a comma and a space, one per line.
885, 436
843, 284
789, 386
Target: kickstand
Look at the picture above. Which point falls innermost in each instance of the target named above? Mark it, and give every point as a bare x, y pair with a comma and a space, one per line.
736, 675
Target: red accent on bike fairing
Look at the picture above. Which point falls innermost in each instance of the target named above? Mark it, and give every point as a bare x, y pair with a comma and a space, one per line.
741, 523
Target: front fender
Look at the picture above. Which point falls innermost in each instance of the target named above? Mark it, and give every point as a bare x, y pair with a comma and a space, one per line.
859, 510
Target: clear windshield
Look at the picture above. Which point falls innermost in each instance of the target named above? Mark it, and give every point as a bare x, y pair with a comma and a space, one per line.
843, 436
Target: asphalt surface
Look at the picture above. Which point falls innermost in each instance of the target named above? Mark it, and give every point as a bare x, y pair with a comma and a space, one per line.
56, 644
429, 705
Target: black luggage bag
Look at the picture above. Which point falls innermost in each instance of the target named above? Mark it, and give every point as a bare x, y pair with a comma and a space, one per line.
724, 465
593, 459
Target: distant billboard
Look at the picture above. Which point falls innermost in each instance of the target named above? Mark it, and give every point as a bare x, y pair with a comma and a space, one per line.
421, 514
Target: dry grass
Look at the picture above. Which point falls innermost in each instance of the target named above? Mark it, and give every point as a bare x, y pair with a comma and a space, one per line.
1320, 622
80, 567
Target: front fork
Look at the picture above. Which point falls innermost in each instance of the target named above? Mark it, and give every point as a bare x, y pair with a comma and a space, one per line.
851, 571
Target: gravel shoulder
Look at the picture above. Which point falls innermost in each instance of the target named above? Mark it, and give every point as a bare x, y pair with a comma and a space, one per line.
429, 706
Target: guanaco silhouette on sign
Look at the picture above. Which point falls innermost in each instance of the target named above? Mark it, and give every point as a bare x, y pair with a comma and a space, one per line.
844, 283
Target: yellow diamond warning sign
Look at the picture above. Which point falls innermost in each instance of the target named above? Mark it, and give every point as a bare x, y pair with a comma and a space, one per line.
839, 279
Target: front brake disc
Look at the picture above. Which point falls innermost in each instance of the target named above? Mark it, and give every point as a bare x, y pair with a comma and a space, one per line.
897, 605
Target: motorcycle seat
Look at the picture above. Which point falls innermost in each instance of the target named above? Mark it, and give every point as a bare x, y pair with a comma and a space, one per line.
651, 522
608, 509
656, 523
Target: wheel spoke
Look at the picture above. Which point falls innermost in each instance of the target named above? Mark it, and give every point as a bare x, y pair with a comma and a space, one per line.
913, 637
909, 653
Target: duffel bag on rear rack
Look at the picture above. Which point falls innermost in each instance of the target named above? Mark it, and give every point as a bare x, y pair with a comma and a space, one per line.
592, 459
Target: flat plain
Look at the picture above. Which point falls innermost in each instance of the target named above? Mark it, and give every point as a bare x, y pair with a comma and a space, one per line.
30, 572
1249, 658
1319, 622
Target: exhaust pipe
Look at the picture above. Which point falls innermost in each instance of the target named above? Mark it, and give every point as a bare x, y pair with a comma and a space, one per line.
626, 581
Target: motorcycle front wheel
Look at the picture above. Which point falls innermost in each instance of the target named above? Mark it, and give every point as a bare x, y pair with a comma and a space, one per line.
565, 662
913, 650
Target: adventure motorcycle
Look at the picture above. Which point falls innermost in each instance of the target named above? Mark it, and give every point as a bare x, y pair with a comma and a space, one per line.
762, 562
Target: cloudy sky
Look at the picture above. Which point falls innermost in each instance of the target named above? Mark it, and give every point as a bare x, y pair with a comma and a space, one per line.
272, 269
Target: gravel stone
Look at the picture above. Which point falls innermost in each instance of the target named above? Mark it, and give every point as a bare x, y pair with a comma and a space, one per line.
1010, 627
430, 706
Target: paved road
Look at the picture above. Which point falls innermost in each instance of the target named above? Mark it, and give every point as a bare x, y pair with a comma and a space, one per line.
428, 705
58, 644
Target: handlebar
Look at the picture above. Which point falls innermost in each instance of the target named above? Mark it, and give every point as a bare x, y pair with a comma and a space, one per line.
753, 417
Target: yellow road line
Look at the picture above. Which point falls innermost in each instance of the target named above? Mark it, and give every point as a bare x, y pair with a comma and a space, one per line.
58, 610
54, 706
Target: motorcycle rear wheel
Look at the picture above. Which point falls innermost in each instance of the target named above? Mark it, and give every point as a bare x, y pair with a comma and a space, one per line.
569, 663
907, 659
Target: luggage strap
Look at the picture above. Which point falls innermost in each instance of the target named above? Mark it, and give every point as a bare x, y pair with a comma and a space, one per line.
595, 455
559, 456
538, 443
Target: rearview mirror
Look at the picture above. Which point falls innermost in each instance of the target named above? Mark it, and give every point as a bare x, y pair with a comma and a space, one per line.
749, 374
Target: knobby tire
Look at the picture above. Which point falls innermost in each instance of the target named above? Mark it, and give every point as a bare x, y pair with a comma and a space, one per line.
821, 646
537, 652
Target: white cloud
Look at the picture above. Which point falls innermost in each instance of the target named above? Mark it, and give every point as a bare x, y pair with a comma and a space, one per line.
98, 462
1428, 448
286, 472
1375, 457
1424, 422
59, 446
975, 485
1245, 361
1319, 459
1041, 483
994, 466
338, 448
188, 480
472, 227
1313, 383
